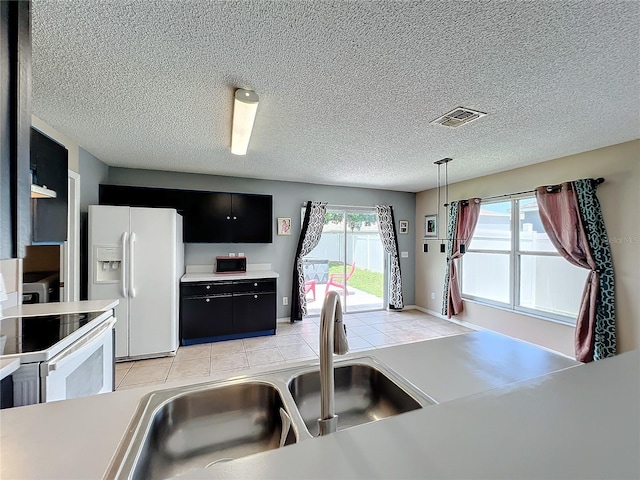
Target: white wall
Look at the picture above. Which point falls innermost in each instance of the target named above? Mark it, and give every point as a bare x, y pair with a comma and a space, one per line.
619, 197
12, 274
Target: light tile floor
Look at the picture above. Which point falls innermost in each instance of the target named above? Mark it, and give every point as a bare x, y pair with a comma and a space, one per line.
292, 343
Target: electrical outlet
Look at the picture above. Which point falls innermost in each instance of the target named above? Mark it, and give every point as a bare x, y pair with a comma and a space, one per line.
404, 254
241, 254
232, 254
433, 295
285, 300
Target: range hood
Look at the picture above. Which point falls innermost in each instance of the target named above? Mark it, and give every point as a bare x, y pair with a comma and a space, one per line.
38, 191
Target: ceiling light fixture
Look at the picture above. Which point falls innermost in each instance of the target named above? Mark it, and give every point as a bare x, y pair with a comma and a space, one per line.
245, 106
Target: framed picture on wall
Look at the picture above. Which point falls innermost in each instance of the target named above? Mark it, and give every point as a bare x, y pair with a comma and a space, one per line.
284, 226
431, 226
403, 227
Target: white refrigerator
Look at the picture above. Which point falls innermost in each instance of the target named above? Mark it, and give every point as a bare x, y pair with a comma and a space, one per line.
137, 256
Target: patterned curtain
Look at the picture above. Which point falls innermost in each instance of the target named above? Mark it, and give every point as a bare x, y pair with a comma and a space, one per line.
605, 332
571, 216
462, 221
310, 234
452, 222
387, 226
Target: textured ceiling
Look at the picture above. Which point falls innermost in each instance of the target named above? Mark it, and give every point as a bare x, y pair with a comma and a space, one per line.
347, 88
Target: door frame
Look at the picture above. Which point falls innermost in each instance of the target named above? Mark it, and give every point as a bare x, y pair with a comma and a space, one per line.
70, 251
346, 209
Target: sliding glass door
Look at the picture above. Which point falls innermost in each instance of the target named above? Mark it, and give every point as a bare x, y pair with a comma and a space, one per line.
349, 259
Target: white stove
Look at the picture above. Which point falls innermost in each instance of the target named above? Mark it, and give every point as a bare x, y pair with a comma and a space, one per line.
62, 355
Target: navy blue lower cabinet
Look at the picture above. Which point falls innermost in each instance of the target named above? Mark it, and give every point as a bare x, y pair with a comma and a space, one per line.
212, 311
206, 317
254, 312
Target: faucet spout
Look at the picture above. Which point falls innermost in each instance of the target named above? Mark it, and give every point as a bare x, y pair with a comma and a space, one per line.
333, 339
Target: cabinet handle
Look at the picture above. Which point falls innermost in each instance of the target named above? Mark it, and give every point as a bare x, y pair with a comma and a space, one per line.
207, 300
255, 296
208, 287
228, 217
235, 218
255, 284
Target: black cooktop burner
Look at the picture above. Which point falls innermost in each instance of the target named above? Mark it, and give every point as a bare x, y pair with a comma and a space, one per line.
32, 334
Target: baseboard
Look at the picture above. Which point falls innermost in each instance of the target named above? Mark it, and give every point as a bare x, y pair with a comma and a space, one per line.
433, 313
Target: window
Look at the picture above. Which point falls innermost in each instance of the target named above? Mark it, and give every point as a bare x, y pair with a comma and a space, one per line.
512, 263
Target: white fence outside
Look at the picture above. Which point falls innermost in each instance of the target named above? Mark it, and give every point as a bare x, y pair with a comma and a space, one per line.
365, 248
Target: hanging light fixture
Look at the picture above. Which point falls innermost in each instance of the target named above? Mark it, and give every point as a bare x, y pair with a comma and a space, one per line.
445, 161
245, 106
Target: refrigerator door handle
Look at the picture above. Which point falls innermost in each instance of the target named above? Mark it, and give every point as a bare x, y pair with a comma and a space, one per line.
132, 285
123, 269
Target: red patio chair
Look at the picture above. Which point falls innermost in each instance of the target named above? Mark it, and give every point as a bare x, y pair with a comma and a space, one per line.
310, 286
336, 278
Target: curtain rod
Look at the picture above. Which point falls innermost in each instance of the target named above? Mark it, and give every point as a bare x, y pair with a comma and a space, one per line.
550, 188
330, 205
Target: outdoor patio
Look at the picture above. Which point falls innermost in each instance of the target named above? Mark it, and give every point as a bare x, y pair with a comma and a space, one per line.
357, 300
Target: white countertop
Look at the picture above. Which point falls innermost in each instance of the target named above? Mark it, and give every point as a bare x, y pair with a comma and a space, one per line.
59, 308
220, 277
8, 366
445, 368
582, 422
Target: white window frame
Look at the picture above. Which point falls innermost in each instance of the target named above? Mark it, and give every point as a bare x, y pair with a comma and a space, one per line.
515, 255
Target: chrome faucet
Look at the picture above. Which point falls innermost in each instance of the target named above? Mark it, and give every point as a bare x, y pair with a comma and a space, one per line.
333, 339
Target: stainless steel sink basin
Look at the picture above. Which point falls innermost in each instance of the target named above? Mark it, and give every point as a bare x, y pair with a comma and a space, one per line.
363, 394
199, 428
192, 427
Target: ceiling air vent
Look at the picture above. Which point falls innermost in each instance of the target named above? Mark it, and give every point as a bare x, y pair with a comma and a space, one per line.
457, 116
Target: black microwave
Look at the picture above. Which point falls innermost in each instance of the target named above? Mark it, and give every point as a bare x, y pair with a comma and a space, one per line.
231, 264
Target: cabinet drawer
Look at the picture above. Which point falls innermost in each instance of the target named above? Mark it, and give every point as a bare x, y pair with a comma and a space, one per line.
259, 285
205, 288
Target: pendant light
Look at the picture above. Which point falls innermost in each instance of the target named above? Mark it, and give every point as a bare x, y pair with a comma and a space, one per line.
445, 161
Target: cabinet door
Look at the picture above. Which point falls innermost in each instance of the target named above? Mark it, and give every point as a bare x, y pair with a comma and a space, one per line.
252, 218
49, 164
203, 317
208, 218
15, 121
254, 312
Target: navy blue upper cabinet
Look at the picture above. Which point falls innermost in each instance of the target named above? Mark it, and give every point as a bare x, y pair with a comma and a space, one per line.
251, 218
49, 164
208, 217
15, 121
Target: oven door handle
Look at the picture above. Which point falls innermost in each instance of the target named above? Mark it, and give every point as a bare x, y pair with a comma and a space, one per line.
89, 340
123, 268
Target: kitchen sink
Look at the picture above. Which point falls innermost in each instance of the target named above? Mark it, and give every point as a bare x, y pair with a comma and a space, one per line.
363, 394
180, 432
181, 429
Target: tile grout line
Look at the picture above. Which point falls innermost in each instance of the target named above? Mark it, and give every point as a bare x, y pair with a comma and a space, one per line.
380, 319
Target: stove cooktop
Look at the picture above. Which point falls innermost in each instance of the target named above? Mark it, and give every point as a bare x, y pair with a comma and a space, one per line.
33, 334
